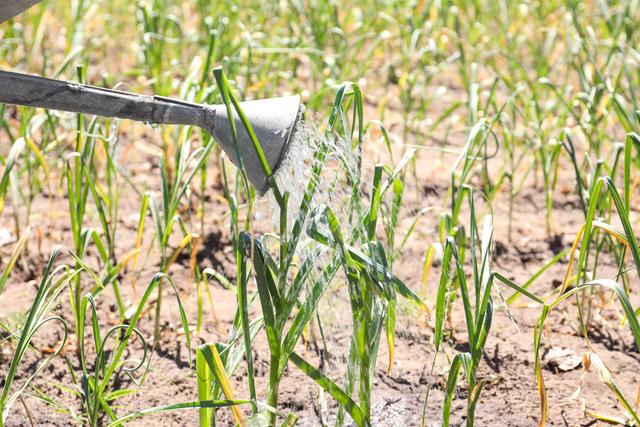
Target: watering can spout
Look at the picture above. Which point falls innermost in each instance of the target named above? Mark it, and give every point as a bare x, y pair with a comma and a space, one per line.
273, 121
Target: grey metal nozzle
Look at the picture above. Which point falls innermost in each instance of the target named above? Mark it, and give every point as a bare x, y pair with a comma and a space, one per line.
273, 120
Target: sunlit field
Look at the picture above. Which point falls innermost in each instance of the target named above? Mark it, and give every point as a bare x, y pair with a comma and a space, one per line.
441, 232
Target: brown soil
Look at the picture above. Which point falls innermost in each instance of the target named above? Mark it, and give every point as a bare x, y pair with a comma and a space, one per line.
509, 399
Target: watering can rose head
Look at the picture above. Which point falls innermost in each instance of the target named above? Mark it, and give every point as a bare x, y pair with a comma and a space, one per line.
273, 122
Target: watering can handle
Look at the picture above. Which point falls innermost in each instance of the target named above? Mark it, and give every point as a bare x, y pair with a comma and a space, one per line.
35, 91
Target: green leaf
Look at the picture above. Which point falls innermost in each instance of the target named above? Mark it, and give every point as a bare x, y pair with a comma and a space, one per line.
330, 387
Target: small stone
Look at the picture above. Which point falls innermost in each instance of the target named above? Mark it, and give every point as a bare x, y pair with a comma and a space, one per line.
6, 236
563, 359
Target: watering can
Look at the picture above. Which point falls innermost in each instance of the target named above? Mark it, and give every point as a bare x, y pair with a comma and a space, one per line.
273, 120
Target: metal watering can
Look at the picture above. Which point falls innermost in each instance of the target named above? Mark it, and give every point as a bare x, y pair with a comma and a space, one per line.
273, 120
